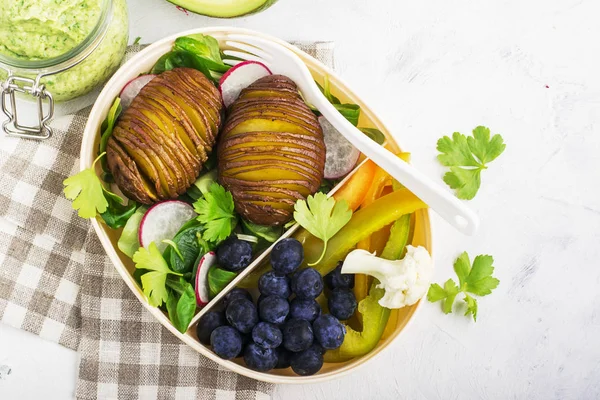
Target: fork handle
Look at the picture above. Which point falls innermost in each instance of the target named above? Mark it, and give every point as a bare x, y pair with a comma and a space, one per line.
455, 212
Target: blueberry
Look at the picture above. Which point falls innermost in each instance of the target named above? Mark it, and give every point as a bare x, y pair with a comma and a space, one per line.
226, 342
246, 340
287, 255
270, 283
242, 315
283, 358
237, 293
274, 309
297, 335
341, 303
335, 279
208, 323
260, 299
307, 283
234, 254
267, 335
260, 359
329, 332
307, 362
307, 309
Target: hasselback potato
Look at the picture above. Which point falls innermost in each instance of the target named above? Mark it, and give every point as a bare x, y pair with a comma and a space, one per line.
271, 151
160, 142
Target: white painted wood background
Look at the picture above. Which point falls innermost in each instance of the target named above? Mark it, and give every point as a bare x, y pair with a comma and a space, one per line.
529, 69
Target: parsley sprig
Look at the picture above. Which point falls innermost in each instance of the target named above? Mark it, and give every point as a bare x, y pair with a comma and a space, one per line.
467, 157
322, 216
87, 192
473, 280
156, 270
216, 211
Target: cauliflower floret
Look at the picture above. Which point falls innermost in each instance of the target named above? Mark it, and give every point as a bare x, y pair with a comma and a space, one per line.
404, 281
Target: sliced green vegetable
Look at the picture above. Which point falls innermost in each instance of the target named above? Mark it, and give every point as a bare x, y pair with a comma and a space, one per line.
399, 236
224, 9
374, 318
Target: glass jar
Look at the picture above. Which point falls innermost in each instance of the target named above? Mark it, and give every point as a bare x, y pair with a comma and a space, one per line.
56, 50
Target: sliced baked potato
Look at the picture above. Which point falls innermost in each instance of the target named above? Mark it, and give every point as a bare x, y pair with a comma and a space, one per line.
271, 151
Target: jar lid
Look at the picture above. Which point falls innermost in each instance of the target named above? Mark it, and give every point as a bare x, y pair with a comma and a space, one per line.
38, 34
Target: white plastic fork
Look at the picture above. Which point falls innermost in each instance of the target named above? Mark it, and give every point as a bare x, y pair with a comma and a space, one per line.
283, 61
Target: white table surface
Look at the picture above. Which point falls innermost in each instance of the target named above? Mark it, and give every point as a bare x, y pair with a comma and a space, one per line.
527, 69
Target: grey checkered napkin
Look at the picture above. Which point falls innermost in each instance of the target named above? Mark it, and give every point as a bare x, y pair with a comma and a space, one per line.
57, 282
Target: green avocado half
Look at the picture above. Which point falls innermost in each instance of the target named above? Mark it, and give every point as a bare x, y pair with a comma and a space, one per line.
224, 8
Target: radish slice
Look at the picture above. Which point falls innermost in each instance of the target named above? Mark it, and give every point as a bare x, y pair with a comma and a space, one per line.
162, 221
202, 291
341, 156
240, 77
132, 89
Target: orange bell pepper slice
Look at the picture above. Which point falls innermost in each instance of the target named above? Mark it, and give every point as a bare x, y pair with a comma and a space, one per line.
355, 189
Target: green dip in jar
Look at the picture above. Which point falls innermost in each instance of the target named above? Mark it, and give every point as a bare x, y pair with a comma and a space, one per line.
46, 35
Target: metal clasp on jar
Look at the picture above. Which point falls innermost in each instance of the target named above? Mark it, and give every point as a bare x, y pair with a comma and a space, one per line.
32, 87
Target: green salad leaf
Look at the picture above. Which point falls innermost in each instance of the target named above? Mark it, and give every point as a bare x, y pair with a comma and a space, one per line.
473, 279
218, 279
181, 303
106, 130
188, 249
129, 240
322, 216
202, 185
216, 212
117, 214
199, 51
350, 111
467, 157
375, 134
268, 233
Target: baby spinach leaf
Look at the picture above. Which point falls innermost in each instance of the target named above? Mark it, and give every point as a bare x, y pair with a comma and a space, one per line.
217, 280
187, 244
181, 303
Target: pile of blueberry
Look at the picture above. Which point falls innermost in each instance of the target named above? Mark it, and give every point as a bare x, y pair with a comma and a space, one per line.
286, 327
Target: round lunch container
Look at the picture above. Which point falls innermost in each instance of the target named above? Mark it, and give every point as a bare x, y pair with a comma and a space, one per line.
142, 63
54, 51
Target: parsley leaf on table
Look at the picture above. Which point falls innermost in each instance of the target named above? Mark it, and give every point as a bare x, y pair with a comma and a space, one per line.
153, 281
216, 211
322, 216
467, 157
476, 279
